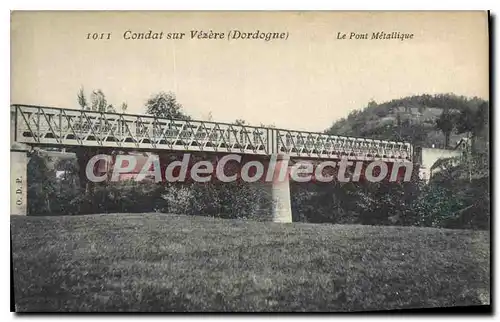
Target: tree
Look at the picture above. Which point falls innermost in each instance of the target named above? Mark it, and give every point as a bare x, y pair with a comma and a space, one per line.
98, 101
82, 101
41, 184
473, 121
372, 104
240, 122
124, 107
446, 124
210, 117
165, 105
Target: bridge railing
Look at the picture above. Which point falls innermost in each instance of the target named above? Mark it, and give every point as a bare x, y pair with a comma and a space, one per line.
46, 125
321, 145
56, 126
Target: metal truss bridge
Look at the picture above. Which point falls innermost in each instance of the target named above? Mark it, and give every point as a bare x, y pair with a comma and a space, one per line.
49, 126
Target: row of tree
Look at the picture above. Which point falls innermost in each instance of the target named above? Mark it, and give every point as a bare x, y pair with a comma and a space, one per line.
450, 200
163, 104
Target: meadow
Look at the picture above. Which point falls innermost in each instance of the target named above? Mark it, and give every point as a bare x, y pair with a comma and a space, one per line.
163, 263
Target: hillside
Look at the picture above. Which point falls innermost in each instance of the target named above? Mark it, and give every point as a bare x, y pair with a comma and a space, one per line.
157, 262
412, 119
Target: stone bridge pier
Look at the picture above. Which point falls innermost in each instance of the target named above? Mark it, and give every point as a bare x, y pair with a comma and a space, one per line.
18, 172
18, 179
276, 204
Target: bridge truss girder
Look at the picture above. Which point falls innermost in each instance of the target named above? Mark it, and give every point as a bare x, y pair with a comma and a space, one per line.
37, 125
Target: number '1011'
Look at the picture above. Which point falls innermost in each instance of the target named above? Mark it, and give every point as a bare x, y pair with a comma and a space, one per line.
99, 36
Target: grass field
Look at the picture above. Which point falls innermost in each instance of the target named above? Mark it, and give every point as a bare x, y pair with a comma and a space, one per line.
155, 262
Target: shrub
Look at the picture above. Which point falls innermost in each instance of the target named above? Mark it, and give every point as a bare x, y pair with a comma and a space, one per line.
41, 188
452, 200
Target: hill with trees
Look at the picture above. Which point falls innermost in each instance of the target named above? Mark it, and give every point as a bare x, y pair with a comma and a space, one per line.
427, 120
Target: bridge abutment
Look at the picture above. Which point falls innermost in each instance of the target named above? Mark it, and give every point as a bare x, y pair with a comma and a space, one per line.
18, 180
276, 204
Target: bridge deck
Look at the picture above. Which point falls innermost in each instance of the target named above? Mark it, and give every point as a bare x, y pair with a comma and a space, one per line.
37, 125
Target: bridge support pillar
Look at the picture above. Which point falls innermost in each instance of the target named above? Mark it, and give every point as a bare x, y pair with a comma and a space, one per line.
276, 205
18, 180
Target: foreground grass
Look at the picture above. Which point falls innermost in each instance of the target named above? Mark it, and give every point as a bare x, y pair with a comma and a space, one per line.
156, 262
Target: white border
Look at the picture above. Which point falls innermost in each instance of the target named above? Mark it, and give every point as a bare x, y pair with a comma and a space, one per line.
195, 5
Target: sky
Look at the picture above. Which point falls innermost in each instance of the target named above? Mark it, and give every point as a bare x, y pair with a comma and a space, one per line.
305, 82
